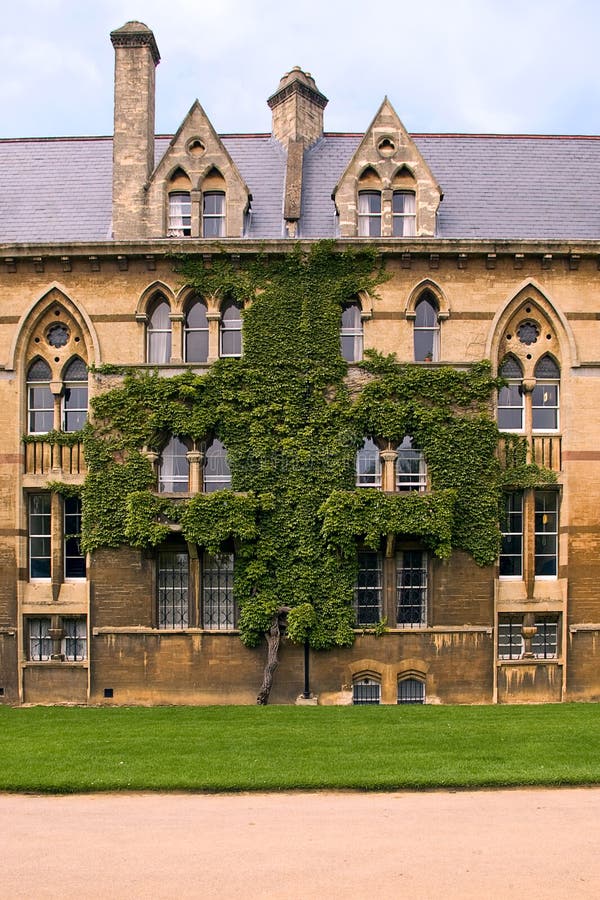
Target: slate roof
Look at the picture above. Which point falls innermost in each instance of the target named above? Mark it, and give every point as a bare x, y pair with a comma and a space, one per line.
495, 187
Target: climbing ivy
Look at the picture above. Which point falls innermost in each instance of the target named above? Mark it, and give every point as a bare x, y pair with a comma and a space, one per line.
292, 428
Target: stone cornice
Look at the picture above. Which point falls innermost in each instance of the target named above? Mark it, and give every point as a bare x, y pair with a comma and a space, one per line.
132, 39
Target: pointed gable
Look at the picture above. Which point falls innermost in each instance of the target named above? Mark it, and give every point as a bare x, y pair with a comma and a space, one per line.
195, 166
387, 189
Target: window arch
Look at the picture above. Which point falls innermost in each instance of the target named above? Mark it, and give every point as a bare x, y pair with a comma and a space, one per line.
217, 474
174, 467
158, 349
351, 333
40, 400
545, 395
411, 470
510, 397
426, 329
231, 329
368, 465
75, 395
366, 690
196, 332
411, 690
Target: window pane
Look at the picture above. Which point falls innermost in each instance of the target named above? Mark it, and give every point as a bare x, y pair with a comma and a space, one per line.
368, 465
217, 474
351, 333
174, 468
411, 471
218, 610
74, 643
40, 645
368, 588
544, 401
39, 536
546, 533
425, 344
511, 551
411, 587
411, 690
366, 692
172, 589
544, 644
196, 346
180, 214
510, 639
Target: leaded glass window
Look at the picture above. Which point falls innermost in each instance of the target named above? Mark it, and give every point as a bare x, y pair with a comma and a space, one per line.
367, 593
173, 587
218, 609
411, 587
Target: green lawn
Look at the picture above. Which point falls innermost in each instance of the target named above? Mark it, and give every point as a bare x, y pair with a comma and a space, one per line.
234, 748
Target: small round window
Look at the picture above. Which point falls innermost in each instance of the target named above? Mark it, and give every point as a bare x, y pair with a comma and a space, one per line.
57, 335
528, 332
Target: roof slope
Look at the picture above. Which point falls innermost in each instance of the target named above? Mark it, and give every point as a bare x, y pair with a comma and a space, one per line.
495, 187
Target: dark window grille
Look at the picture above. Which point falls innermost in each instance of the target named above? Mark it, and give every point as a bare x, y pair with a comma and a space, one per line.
366, 692
173, 579
411, 588
218, 608
75, 639
368, 588
510, 638
544, 644
411, 690
40, 643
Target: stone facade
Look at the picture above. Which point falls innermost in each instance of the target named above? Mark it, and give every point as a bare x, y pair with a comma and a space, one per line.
69, 633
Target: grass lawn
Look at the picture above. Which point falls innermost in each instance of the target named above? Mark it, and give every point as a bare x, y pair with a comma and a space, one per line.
244, 748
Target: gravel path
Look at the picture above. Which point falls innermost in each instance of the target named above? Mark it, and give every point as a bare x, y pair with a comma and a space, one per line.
488, 844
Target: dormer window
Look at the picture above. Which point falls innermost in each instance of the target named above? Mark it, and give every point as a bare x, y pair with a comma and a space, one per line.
369, 213
180, 214
213, 214
404, 214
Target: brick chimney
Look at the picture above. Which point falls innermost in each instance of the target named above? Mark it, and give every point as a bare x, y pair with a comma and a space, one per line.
136, 58
297, 106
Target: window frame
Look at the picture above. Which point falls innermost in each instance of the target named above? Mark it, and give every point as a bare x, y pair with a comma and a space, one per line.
231, 328
173, 612
179, 219
353, 333
217, 218
368, 613
176, 481
369, 220
359, 683
72, 512
427, 301
73, 384
217, 592
33, 409
153, 331
220, 480
408, 570
416, 478
511, 517
367, 452
189, 331
555, 511
412, 696
402, 219
41, 637
33, 535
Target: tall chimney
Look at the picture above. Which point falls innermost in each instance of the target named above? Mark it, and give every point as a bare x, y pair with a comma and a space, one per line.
297, 106
136, 58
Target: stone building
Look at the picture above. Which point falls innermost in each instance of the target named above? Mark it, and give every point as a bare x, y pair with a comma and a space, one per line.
492, 248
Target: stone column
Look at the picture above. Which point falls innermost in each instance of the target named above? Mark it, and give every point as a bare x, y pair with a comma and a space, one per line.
213, 335
195, 459
388, 469
177, 320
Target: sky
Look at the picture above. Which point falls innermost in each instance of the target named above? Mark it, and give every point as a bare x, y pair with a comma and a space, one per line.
474, 66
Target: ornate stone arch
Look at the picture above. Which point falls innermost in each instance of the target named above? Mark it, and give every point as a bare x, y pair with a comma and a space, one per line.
529, 301
76, 318
427, 285
149, 295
